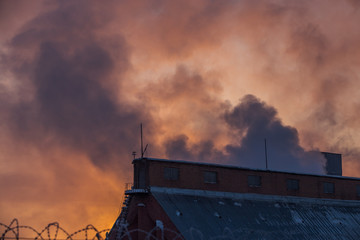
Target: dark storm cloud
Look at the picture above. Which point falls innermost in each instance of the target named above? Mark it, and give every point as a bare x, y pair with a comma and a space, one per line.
75, 106
259, 122
70, 75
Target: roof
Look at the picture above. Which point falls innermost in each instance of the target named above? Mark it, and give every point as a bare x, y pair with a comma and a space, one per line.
243, 168
200, 214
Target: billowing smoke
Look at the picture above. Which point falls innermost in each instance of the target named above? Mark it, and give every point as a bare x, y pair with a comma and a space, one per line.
258, 123
252, 122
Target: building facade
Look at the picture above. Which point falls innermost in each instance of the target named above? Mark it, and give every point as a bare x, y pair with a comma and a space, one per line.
188, 200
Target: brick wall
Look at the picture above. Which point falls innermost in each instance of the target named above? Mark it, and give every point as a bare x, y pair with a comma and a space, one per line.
234, 179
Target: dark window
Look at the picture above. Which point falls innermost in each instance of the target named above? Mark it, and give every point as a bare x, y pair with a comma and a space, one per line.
292, 184
329, 187
358, 190
210, 177
254, 181
171, 173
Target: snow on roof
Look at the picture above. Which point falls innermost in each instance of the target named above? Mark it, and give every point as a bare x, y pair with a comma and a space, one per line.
254, 216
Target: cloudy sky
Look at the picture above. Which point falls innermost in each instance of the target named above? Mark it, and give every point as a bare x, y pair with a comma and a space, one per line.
209, 80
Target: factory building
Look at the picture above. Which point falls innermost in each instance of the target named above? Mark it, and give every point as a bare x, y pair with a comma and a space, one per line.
187, 200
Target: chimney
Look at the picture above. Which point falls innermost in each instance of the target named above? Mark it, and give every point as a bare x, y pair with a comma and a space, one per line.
333, 163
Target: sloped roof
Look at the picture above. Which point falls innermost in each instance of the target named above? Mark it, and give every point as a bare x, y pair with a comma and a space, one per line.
200, 214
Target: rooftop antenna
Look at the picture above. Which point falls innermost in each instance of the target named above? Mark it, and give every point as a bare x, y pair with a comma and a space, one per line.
266, 159
142, 146
142, 149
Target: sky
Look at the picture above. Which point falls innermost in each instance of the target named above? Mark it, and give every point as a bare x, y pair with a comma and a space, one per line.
209, 80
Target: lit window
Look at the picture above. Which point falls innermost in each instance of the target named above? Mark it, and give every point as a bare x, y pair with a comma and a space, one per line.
292, 185
171, 173
254, 181
329, 187
210, 177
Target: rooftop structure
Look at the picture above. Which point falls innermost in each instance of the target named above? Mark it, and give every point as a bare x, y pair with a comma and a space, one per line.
188, 200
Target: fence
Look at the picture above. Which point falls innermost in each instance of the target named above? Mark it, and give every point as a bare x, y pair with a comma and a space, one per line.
52, 231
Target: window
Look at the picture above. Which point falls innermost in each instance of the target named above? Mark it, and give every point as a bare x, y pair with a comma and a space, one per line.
254, 181
210, 177
292, 184
329, 187
171, 173
358, 190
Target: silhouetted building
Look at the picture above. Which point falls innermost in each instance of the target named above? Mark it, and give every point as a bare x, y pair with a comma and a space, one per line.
188, 200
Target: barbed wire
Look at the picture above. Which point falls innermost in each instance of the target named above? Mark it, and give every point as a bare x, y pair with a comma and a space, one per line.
52, 231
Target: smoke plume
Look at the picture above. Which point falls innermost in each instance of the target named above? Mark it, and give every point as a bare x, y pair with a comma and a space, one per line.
259, 123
